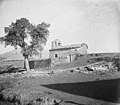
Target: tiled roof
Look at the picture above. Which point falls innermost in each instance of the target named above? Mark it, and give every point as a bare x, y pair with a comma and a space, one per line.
67, 47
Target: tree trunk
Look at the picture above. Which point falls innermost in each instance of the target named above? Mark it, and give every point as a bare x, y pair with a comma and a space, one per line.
26, 63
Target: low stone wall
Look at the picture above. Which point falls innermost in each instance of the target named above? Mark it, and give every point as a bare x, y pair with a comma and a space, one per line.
35, 64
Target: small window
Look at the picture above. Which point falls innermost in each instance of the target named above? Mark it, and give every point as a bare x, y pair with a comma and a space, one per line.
58, 44
55, 44
56, 55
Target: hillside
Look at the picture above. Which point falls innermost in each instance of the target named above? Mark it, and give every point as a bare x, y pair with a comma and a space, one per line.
1, 58
85, 60
12, 55
16, 55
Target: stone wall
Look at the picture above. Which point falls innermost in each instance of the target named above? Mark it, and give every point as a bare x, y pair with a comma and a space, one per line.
66, 55
35, 64
62, 56
82, 50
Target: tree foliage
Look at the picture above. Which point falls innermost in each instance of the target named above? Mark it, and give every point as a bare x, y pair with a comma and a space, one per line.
17, 32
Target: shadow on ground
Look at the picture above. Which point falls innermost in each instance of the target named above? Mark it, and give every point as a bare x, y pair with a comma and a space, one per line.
107, 90
71, 102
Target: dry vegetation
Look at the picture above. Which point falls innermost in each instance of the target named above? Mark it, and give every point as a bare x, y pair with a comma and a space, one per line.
69, 87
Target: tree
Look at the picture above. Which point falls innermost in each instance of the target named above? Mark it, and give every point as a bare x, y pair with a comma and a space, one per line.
17, 34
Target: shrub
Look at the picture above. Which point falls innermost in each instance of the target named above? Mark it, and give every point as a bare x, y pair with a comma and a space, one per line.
116, 63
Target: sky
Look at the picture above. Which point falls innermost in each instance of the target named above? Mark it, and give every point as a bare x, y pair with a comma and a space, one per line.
94, 22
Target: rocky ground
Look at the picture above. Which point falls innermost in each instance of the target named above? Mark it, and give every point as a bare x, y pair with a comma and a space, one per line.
65, 85
60, 88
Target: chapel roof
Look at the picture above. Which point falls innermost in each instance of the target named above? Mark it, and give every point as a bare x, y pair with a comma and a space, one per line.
67, 47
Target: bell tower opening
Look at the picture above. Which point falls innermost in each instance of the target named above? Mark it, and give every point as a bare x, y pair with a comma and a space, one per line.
56, 43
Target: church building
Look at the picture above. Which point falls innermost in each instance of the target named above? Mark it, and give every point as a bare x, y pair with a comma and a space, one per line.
61, 54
